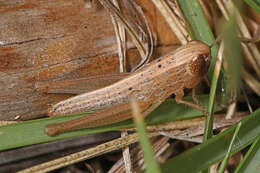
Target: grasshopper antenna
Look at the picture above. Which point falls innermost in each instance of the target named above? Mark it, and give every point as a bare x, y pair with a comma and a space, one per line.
215, 42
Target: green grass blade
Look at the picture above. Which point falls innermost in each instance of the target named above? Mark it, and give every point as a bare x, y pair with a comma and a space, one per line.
32, 132
233, 60
251, 160
225, 160
150, 162
232, 73
214, 150
255, 4
200, 27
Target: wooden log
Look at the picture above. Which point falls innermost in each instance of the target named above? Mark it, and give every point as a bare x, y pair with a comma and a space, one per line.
46, 40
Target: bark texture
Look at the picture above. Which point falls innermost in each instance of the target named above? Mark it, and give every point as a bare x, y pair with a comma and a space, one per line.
46, 40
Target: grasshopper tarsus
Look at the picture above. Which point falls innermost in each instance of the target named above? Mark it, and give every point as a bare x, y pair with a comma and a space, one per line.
52, 130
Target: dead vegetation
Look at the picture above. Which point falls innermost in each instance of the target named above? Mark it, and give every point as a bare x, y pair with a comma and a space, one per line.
50, 50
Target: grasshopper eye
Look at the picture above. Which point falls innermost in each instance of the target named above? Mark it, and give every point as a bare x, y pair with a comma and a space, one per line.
199, 65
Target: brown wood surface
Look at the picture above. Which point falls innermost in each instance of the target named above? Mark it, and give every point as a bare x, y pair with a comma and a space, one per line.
46, 40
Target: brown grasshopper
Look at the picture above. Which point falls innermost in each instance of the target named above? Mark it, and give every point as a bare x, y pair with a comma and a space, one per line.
183, 68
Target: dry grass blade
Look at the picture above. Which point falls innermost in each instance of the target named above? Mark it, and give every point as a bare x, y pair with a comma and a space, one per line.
86, 154
150, 44
127, 156
244, 30
249, 56
251, 81
130, 26
223, 9
172, 20
94, 166
231, 110
159, 145
247, 100
193, 133
181, 124
251, 51
121, 40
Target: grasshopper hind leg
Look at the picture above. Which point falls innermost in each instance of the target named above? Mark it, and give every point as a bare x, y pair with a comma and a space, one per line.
197, 105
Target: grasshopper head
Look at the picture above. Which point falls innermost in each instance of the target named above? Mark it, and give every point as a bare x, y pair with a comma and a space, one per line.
198, 66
